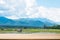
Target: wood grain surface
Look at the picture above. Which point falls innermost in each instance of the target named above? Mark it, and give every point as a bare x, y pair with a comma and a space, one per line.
30, 36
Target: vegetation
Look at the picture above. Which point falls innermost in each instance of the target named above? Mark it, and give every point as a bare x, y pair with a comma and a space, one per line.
41, 30
22, 29
30, 30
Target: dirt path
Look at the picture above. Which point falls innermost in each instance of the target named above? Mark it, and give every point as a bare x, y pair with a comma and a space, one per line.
30, 36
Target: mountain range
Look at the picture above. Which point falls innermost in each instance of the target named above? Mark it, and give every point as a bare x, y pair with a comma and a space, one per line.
34, 22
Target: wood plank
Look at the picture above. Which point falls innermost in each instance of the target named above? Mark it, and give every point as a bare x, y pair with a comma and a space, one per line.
30, 36
29, 39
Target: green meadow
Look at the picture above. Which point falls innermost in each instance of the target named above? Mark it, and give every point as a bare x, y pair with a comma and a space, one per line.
11, 30
42, 30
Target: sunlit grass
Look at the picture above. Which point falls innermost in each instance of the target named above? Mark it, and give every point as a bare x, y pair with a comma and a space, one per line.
42, 30
12, 30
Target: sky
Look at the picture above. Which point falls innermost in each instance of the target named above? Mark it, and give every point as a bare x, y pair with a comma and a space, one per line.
15, 9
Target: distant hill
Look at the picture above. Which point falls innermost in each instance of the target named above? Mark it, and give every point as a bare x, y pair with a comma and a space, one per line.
36, 22
27, 22
30, 22
6, 21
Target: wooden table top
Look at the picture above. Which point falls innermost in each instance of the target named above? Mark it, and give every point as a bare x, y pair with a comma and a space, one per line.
30, 36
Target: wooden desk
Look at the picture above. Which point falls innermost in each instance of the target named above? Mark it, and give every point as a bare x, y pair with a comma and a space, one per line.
30, 36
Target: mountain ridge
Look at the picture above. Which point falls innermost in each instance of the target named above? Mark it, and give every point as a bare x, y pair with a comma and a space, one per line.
34, 22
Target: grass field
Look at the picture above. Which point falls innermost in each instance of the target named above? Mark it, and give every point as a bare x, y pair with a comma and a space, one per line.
42, 30
30, 31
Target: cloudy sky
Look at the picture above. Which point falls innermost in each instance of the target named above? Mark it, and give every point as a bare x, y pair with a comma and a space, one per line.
15, 9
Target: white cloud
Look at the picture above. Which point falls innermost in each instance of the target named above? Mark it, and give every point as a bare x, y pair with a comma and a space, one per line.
50, 13
21, 8
12, 17
29, 9
29, 3
2, 2
1, 11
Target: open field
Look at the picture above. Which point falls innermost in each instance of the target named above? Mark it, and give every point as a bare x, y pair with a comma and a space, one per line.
42, 30
30, 31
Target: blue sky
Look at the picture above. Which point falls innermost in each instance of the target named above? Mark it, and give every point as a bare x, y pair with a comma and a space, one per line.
15, 9
49, 3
